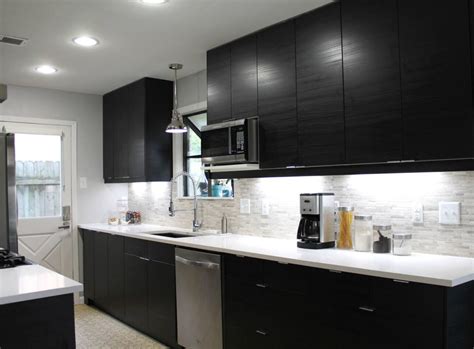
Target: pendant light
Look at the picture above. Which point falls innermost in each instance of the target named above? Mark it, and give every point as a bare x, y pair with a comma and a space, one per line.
177, 124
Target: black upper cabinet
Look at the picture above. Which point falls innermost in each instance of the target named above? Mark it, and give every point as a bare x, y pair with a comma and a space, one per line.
136, 147
371, 81
436, 79
244, 77
218, 85
276, 64
320, 87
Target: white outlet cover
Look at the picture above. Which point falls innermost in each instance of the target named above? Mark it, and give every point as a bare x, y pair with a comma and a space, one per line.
265, 207
245, 206
450, 213
417, 214
83, 182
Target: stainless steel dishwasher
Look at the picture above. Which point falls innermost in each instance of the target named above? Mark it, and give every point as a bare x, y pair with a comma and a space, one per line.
198, 299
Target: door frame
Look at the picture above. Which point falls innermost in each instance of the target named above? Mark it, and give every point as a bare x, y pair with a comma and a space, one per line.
74, 206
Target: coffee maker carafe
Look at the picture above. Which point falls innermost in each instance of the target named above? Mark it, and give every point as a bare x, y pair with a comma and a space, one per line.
316, 228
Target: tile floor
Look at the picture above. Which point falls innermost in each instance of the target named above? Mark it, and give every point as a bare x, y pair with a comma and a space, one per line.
95, 329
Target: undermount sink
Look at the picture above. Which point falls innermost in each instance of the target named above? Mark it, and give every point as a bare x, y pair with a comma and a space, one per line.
173, 234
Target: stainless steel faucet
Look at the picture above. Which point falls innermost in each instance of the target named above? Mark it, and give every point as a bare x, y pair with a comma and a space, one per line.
172, 210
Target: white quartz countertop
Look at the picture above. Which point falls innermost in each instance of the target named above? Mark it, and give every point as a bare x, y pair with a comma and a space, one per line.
28, 282
423, 268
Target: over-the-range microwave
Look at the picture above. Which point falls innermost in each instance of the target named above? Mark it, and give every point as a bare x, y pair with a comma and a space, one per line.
230, 142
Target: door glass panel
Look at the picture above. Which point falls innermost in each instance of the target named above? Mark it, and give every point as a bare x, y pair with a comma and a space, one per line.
38, 175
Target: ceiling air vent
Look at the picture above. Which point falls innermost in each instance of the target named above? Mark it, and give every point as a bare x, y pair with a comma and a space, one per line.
11, 40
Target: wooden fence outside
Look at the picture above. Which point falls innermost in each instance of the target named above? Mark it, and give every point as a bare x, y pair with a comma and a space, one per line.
38, 185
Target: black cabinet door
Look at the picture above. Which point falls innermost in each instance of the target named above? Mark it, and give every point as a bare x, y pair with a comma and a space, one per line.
120, 142
88, 241
436, 79
135, 104
115, 276
218, 85
109, 102
136, 292
101, 270
244, 77
371, 81
320, 87
277, 95
162, 303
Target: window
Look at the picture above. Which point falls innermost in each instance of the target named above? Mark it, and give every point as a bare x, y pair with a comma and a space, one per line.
38, 175
192, 162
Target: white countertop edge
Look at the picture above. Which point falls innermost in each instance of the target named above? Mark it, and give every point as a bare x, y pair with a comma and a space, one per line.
145, 229
40, 294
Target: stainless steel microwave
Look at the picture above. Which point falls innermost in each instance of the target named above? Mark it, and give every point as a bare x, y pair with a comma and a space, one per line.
230, 142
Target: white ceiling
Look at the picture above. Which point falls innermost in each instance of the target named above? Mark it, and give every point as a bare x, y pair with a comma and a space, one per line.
136, 40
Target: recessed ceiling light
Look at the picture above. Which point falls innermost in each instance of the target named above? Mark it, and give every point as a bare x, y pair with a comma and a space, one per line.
153, 2
85, 41
46, 69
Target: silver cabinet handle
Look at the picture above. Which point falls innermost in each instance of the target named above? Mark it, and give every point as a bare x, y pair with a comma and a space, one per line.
261, 285
367, 309
335, 271
262, 333
207, 265
401, 281
144, 259
64, 227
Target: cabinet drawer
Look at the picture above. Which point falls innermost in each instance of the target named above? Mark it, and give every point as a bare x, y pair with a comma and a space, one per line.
161, 252
287, 277
238, 290
244, 268
400, 298
237, 337
136, 247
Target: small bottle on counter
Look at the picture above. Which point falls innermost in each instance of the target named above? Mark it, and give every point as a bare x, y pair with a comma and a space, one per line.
363, 233
224, 224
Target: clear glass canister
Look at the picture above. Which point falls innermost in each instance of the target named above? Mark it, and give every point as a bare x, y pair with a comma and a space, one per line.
382, 237
344, 238
363, 233
401, 244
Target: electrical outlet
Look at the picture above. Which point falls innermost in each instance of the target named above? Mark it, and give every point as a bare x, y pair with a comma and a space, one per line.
245, 206
265, 207
83, 182
417, 216
450, 213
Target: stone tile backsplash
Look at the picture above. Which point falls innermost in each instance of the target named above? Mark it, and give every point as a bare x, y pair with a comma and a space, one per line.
389, 198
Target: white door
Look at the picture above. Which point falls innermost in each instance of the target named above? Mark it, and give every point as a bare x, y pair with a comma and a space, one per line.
43, 156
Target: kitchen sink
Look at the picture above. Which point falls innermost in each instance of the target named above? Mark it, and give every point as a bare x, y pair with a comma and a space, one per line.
175, 235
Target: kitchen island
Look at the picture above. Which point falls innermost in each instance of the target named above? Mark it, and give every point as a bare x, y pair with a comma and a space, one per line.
275, 295
36, 308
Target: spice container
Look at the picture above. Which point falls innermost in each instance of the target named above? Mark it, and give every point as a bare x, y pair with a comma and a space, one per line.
382, 236
401, 244
346, 216
363, 233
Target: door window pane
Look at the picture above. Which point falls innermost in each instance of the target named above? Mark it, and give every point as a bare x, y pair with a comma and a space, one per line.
38, 175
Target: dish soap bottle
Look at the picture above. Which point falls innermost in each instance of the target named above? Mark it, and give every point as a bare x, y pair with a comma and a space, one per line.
224, 224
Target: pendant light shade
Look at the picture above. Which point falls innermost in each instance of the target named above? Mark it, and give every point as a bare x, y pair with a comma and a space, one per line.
177, 124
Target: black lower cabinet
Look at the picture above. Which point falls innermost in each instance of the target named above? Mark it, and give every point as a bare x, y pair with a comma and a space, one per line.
134, 281
286, 306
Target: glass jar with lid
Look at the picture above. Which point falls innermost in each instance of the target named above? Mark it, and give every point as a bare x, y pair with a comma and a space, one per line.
401, 245
382, 237
363, 233
345, 218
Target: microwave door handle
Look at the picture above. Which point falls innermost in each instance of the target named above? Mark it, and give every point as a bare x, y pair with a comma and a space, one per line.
230, 140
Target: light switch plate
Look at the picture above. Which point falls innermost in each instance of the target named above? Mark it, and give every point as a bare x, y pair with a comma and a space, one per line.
245, 206
450, 213
83, 182
417, 213
265, 207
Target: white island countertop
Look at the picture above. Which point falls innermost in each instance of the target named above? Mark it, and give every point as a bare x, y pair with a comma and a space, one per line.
29, 282
438, 270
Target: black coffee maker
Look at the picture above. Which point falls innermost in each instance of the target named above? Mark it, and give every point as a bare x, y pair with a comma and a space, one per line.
316, 228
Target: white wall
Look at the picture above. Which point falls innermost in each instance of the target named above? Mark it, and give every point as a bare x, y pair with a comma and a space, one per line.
98, 199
